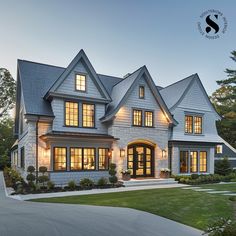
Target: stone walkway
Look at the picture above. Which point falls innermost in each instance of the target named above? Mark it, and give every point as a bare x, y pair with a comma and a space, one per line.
210, 191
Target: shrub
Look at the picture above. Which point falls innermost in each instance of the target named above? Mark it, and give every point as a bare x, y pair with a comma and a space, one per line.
194, 176
112, 172
86, 183
72, 185
221, 227
50, 185
30, 177
223, 167
43, 178
43, 169
102, 182
4, 161
30, 169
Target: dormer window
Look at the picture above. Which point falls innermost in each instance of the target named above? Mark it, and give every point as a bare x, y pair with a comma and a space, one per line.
193, 124
80, 82
141, 92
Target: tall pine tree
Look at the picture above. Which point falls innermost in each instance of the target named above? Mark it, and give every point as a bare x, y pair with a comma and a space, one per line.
224, 100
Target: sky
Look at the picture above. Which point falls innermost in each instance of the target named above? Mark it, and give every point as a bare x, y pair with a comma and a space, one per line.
119, 36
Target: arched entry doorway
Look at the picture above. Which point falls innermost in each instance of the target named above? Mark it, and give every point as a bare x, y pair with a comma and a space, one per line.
140, 160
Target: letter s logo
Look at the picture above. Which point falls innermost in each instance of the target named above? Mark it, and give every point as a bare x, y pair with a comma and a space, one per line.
212, 24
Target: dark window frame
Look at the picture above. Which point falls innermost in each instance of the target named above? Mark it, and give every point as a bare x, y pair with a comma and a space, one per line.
54, 169
148, 111
194, 124
141, 92
81, 74
191, 162
184, 151
22, 158
205, 171
138, 110
187, 125
94, 115
108, 159
71, 101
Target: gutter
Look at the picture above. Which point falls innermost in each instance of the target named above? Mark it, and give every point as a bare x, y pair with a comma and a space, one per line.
36, 156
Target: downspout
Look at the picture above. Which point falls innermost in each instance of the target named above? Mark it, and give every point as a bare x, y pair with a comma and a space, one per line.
36, 157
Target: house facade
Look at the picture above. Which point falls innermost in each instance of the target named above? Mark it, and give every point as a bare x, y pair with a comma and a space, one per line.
75, 122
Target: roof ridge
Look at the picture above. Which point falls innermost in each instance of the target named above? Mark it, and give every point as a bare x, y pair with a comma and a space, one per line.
39, 63
193, 75
116, 77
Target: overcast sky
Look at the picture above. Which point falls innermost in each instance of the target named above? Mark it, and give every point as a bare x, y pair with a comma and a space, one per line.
119, 36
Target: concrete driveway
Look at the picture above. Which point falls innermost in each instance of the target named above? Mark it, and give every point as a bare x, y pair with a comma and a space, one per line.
19, 218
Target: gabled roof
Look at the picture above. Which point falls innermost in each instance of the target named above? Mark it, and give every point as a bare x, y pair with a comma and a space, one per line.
81, 56
35, 80
174, 93
121, 91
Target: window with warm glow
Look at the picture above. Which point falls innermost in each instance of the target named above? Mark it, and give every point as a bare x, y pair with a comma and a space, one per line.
88, 115
197, 124
219, 149
103, 162
188, 124
148, 118
89, 159
193, 161
80, 83
203, 161
76, 158
141, 92
183, 161
71, 114
137, 117
59, 158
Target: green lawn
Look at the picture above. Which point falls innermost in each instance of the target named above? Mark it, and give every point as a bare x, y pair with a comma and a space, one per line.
227, 187
185, 206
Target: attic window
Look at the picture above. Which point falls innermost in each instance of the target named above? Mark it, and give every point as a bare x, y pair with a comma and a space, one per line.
80, 82
141, 92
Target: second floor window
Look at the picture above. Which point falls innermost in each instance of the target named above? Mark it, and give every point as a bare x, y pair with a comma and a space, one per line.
137, 117
71, 114
88, 115
80, 82
193, 124
148, 118
141, 92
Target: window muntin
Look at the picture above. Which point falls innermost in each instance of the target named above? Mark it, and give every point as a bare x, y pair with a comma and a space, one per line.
89, 159
137, 117
103, 159
22, 157
193, 161
149, 118
183, 161
188, 124
203, 161
141, 92
80, 82
71, 113
59, 158
197, 124
219, 149
76, 158
88, 115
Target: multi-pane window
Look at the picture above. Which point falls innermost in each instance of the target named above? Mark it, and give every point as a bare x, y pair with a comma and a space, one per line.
219, 149
183, 161
80, 83
88, 115
76, 158
103, 162
188, 124
193, 161
71, 114
141, 92
203, 161
89, 159
148, 118
197, 124
59, 158
22, 157
137, 117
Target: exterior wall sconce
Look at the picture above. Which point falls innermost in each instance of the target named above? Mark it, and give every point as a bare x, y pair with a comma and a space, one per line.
109, 153
122, 152
163, 153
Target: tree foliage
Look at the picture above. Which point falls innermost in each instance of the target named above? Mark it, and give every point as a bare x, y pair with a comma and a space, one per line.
7, 91
224, 100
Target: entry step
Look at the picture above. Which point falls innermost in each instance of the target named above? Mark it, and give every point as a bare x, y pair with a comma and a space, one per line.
148, 182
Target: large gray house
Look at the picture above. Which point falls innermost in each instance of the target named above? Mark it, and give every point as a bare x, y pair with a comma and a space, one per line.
76, 122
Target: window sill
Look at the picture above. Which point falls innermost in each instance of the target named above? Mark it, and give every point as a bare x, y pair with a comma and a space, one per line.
79, 127
192, 134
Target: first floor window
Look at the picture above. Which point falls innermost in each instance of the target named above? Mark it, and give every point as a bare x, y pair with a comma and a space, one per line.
203, 161
183, 161
148, 118
197, 124
76, 158
103, 159
71, 113
193, 161
89, 158
137, 117
88, 115
188, 124
22, 157
59, 158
